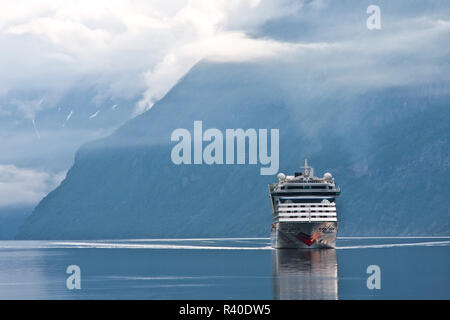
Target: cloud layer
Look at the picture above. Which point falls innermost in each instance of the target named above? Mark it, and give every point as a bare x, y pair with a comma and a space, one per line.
140, 49
126, 47
20, 186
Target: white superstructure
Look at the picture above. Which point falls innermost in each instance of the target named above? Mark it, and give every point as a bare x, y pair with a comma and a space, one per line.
304, 210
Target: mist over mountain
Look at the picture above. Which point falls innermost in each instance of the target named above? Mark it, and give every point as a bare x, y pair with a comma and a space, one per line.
48, 129
386, 146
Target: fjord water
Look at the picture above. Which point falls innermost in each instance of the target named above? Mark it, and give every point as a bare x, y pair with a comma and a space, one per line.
231, 268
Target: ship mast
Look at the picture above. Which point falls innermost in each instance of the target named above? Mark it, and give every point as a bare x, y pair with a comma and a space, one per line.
308, 171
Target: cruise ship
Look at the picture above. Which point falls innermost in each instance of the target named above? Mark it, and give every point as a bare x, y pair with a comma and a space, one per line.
304, 210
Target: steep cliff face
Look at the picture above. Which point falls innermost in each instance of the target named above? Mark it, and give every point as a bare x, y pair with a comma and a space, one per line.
388, 149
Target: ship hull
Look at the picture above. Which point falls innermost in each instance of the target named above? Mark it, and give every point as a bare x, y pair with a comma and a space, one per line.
304, 235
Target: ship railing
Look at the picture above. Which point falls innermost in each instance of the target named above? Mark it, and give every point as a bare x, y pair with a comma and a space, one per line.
299, 189
307, 219
307, 205
290, 212
306, 214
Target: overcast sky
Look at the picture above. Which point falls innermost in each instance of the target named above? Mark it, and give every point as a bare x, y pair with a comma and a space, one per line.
125, 46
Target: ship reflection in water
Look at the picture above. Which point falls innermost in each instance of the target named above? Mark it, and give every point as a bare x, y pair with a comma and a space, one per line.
304, 274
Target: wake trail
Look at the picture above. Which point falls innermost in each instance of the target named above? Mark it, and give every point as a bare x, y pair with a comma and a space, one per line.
154, 246
392, 245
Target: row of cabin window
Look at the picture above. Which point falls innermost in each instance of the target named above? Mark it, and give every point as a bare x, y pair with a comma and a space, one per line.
311, 205
309, 217
304, 211
306, 187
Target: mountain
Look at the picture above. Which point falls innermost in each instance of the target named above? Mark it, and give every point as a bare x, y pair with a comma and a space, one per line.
11, 219
40, 132
386, 146
49, 129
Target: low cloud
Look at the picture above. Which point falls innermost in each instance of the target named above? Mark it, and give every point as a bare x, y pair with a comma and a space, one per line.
139, 49
227, 47
20, 186
126, 49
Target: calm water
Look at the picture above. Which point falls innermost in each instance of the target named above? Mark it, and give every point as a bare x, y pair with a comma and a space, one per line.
239, 268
